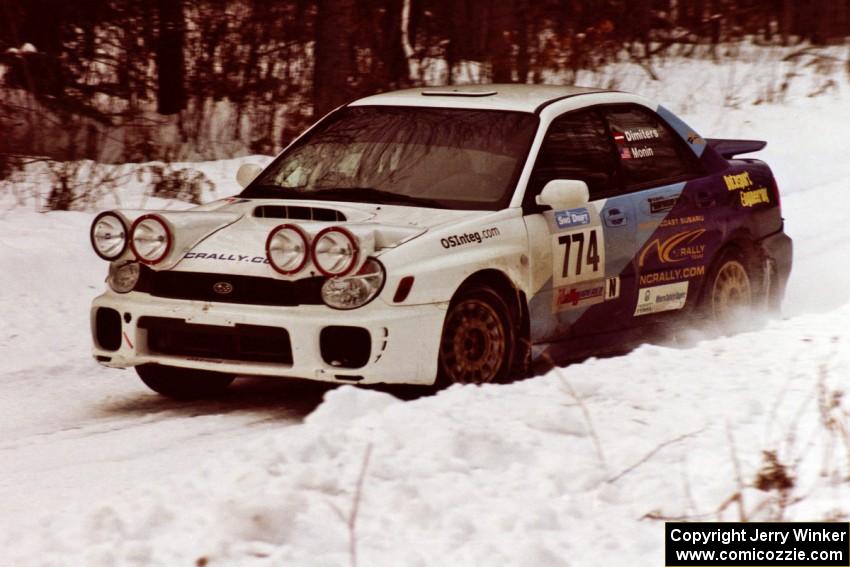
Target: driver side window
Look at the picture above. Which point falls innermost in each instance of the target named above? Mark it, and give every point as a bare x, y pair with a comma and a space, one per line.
577, 146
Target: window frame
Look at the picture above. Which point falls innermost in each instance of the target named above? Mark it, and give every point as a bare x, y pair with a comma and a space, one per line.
529, 203
620, 187
682, 148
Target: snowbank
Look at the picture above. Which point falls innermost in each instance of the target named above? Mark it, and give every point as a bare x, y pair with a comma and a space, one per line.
578, 467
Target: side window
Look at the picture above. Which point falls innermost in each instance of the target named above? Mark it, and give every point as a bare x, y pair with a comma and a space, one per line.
577, 146
650, 152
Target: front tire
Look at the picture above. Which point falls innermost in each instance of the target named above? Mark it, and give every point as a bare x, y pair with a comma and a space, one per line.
183, 383
478, 343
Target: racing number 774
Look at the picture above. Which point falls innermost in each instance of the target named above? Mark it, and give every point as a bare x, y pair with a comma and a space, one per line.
592, 258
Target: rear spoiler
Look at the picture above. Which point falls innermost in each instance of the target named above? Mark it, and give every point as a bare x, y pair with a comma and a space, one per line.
732, 148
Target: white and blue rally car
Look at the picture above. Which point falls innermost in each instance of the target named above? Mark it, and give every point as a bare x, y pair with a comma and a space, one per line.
444, 236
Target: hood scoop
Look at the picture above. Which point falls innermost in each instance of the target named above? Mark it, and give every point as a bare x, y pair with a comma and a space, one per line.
299, 212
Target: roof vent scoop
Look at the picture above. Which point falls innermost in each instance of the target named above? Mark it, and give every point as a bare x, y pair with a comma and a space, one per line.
457, 92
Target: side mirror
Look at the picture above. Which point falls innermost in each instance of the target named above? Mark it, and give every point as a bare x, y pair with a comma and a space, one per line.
247, 173
564, 194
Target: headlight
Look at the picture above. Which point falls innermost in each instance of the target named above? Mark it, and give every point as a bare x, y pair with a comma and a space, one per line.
287, 248
355, 291
108, 236
335, 251
150, 239
123, 278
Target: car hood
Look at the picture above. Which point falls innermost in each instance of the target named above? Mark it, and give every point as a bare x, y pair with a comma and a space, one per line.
229, 235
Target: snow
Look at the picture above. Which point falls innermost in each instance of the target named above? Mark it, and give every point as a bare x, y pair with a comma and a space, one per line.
577, 467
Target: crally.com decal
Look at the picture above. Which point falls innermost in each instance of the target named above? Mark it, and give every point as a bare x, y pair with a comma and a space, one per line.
224, 256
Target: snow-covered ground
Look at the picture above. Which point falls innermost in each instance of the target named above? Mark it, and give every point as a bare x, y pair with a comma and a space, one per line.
577, 467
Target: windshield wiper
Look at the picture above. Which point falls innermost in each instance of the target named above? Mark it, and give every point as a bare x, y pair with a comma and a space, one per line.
271, 192
372, 195
350, 194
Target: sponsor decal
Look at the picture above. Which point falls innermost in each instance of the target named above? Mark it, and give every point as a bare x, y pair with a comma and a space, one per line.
635, 135
661, 204
738, 181
660, 298
681, 221
638, 153
469, 238
673, 275
612, 288
754, 197
675, 248
694, 138
749, 197
572, 217
582, 295
225, 257
576, 296
578, 256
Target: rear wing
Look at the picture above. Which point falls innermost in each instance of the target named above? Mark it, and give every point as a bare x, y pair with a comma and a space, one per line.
732, 148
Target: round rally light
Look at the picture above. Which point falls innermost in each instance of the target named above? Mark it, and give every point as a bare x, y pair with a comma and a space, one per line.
150, 239
108, 236
335, 251
287, 248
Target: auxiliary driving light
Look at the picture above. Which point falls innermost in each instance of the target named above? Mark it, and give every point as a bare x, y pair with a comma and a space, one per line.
108, 236
150, 239
287, 248
335, 251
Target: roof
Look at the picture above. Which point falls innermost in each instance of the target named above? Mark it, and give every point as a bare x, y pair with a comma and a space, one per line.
525, 98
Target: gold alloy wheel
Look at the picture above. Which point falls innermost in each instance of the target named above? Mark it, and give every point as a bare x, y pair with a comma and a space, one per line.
731, 293
474, 344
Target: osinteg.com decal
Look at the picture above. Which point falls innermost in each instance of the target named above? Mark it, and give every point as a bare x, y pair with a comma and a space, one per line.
469, 238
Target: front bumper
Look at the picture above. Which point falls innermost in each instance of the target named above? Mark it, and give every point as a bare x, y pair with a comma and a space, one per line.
404, 339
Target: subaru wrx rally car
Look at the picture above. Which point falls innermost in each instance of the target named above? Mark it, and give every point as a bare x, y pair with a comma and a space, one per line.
444, 236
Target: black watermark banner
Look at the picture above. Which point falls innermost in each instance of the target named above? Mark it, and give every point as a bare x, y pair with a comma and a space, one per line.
757, 544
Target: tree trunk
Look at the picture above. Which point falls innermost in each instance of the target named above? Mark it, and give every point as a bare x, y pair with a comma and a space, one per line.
333, 55
171, 95
499, 45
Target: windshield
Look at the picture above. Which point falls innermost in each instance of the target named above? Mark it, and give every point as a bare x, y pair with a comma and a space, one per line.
434, 157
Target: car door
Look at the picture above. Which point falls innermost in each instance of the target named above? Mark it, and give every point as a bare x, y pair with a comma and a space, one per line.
581, 258
675, 232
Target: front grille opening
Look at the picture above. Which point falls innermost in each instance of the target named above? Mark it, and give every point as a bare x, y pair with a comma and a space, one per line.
107, 328
296, 212
247, 343
244, 290
345, 347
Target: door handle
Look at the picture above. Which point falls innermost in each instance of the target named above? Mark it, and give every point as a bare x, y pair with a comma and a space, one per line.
615, 217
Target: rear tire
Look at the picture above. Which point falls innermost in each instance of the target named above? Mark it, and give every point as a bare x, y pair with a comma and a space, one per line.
183, 383
478, 343
730, 299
